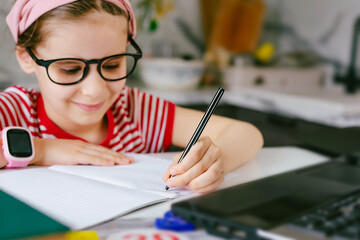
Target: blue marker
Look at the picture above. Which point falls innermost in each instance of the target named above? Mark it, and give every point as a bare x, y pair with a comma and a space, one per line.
173, 222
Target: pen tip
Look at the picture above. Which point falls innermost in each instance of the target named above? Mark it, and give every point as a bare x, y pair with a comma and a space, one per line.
166, 188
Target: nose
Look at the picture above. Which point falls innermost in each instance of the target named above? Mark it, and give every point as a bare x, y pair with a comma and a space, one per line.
93, 85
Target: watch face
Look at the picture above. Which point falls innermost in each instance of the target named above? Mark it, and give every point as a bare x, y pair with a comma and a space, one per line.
19, 143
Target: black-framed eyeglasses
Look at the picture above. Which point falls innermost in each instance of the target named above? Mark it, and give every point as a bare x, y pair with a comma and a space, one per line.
69, 71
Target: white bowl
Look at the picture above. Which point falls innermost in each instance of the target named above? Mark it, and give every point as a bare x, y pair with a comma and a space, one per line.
171, 73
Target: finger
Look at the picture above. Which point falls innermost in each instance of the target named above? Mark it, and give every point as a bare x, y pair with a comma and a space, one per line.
166, 176
195, 154
106, 153
199, 168
210, 187
106, 156
174, 162
85, 153
212, 175
87, 159
122, 159
94, 147
99, 150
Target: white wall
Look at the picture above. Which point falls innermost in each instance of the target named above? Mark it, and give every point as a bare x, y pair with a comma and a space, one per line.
169, 32
10, 72
315, 19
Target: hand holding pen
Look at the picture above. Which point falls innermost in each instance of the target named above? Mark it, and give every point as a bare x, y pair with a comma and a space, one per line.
200, 128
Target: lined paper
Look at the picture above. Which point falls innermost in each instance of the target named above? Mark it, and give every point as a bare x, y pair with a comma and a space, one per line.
145, 173
74, 201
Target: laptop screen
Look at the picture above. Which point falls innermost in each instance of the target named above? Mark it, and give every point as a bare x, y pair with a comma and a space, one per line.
269, 202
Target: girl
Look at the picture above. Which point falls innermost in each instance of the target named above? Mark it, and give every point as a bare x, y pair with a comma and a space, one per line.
84, 113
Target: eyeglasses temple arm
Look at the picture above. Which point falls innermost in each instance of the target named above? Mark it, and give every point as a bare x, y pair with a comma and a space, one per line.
136, 46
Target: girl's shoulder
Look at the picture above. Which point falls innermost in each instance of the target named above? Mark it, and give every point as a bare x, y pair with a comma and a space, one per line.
26, 95
20, 90
18, 107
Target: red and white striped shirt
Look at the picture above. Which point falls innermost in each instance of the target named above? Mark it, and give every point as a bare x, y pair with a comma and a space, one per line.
137, 121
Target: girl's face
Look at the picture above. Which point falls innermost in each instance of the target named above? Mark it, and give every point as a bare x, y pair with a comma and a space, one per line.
83, 105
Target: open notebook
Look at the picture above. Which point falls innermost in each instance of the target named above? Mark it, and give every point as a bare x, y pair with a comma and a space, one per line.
82, 196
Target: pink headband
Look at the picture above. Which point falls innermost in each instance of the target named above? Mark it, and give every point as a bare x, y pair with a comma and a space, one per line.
25, 12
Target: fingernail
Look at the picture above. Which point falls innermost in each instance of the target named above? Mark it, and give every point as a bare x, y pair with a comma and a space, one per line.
170, 184
111, 162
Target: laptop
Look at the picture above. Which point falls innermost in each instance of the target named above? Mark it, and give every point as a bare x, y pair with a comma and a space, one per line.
317, 202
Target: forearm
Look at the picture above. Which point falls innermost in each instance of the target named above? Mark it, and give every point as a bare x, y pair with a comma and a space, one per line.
39, 149
3, 162
239, 142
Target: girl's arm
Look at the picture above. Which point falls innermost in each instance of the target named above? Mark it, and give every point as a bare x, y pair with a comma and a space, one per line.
72, 152
3, 162
224, 145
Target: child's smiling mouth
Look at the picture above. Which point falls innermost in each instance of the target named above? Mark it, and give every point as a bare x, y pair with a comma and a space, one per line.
90, 107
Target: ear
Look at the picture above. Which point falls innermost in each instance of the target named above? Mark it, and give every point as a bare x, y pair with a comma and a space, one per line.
26, 63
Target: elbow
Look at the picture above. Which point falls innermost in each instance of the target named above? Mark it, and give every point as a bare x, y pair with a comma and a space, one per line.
259, 136
254, 136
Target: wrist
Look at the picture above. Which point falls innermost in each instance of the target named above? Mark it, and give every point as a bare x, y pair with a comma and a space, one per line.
39, 150
3, 161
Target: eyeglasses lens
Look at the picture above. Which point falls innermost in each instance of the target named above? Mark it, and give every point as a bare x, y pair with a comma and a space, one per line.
117, 67
71, 71
66, 71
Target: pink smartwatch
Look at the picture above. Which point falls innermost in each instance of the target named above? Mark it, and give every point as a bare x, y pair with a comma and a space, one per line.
17, 146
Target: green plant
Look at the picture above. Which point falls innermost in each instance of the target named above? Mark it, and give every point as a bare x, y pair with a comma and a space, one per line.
150, 11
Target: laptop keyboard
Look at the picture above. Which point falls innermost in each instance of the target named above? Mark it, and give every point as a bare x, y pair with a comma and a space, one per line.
338, 219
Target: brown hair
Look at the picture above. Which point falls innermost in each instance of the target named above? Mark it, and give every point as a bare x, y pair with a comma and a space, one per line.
35, 33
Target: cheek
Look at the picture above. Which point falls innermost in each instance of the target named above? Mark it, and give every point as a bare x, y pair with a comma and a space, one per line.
52, 92
115, 88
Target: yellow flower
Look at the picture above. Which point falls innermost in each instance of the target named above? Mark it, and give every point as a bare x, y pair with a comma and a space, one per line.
265, 52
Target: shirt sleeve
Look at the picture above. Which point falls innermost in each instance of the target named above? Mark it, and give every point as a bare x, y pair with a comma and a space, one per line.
17, 107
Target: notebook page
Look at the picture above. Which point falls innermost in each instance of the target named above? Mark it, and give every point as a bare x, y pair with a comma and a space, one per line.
74, 201
145, 173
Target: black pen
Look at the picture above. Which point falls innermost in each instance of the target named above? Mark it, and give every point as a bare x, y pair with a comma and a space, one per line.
202, 124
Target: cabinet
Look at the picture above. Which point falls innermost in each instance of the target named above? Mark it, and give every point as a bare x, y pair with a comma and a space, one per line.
277, 130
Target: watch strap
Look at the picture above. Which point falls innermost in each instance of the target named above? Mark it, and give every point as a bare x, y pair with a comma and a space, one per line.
12, 163
15, 164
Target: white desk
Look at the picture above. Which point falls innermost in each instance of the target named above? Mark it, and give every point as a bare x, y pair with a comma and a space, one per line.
269, 161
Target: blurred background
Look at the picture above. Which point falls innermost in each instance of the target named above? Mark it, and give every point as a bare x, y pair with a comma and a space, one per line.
254, 42
288, 62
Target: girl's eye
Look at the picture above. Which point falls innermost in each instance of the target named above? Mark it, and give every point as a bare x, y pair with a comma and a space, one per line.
113, 64
67, 67
110, 66
71, 70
